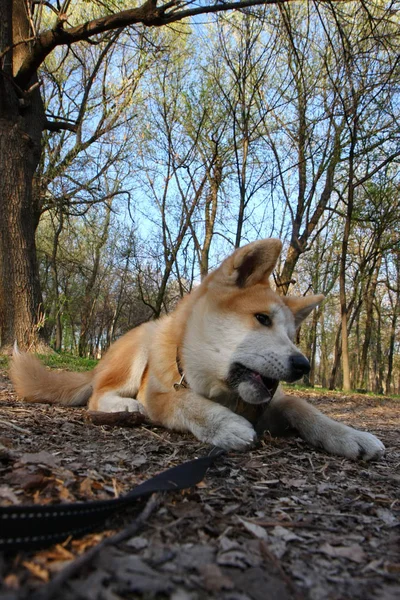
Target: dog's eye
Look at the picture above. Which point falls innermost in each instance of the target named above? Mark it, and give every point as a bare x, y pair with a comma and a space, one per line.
264, 319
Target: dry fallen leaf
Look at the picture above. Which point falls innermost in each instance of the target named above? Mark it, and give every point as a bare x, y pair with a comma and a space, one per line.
253, 528
85, 487
12, 582
387, 516
37, 570
39, 458
353, 552
213, 579
6, 493
285, 534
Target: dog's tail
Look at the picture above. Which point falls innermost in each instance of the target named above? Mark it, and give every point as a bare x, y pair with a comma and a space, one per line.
35, 383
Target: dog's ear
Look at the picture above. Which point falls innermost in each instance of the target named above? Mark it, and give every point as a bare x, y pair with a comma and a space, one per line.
251, 264
301, 306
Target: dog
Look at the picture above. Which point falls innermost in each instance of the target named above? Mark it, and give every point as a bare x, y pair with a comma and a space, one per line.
211, 367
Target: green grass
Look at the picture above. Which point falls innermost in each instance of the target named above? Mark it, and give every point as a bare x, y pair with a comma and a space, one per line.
68, 362
4, 362
58, 361
316, 390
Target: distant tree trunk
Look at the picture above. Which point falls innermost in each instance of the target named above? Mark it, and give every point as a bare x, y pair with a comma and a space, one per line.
392, 342
336, 360
369, 314
313, 348
344, 309
89, 301
378, 358
210, 212
395, 305
57, 306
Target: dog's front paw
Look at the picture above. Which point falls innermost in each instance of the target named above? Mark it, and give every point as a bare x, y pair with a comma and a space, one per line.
354, 444
126, 405
232, 432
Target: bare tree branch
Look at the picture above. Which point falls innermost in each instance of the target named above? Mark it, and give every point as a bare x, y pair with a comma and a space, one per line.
60, 126
149, 14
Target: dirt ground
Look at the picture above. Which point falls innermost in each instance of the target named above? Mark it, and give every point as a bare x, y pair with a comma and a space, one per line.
283, 521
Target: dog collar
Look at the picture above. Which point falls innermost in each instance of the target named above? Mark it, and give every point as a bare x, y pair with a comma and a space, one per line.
182, 383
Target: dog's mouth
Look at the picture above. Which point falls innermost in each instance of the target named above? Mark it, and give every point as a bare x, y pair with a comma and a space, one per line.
252, 386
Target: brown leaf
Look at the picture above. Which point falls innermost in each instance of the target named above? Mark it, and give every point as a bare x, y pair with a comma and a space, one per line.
353, 552
213, 579
387, 516
65, 494
233, 558
25, 479
6, 493
285, 534
58, 552
12, 581
39, 458
37, 570
296, 483
85, 487
254, 529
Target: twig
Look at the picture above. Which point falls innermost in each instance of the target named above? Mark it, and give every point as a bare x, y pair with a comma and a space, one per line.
8, 48
157, 436
380, 477
52, 589
272, 558
20, 429
116, 419
292, 524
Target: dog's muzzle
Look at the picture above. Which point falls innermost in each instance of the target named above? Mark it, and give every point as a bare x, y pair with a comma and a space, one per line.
252, 387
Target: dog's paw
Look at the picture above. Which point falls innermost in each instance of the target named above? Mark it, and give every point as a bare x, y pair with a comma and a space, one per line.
354, 444
126, 405
232, 432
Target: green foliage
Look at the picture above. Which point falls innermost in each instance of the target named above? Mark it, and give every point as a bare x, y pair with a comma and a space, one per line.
59, 361
318, 391
68, 362
4, 360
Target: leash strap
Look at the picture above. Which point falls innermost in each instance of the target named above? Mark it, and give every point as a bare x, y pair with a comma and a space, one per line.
27, 527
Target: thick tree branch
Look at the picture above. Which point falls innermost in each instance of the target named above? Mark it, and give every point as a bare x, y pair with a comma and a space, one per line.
60, 126
149, 14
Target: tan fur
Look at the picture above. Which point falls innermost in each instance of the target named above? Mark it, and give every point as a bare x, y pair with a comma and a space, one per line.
35, 384
229, 357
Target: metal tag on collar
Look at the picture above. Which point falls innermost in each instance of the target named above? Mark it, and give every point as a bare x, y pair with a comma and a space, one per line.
181, 383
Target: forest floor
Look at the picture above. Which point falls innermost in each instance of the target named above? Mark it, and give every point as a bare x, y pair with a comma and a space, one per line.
281, 521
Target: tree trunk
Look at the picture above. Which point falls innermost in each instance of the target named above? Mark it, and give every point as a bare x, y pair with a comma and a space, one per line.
336, 360
369, 310
378, 358
392, 341
344, 309
89, 301
210, 212
21, 124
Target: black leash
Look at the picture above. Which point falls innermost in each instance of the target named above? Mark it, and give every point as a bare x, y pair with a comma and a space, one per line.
28, 527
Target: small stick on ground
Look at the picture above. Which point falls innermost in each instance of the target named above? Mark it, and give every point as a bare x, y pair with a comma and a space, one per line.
16, 427
272, 558
116, 419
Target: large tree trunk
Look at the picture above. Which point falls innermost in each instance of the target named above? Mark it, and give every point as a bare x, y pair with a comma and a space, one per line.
21, 124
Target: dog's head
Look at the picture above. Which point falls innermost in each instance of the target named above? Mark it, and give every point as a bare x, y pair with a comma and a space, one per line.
240, 333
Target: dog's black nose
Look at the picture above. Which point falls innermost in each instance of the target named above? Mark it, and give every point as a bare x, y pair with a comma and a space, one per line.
299, 366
